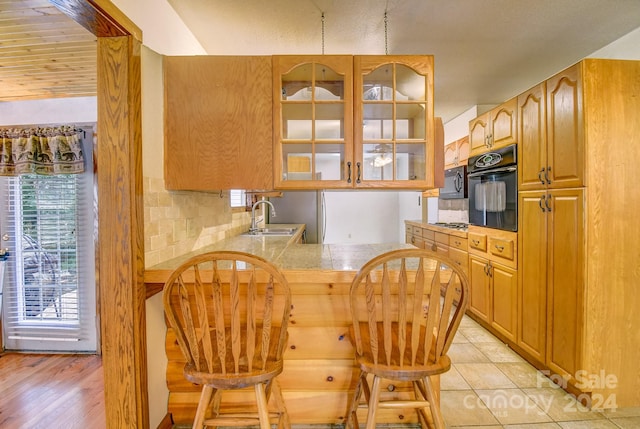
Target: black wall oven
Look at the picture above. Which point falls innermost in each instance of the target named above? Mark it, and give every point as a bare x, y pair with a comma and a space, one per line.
493, 189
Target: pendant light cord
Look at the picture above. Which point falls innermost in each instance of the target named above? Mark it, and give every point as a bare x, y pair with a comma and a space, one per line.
386, 33
322, 33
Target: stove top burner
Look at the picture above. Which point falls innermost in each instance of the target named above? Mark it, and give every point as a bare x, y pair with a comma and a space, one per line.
454, 225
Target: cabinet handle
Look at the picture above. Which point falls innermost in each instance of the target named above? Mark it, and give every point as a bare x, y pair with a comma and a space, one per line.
546, 175
486, 140
540, 203
487, 269
457, 243
548, 204
540, 175
475, 242
500, 248
413, 240
349, 172
434, 247
358, 177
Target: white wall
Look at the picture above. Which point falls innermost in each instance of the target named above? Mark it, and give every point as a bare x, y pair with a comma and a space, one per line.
76, 110
625, 48
458, 127
162, 29
152, 160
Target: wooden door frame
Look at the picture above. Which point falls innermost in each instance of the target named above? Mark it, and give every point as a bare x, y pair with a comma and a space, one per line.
118, 156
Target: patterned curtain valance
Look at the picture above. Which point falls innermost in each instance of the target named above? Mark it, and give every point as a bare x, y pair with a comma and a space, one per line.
47, 150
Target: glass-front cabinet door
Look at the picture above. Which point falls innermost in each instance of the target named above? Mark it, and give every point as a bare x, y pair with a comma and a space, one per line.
394, 128
313, 121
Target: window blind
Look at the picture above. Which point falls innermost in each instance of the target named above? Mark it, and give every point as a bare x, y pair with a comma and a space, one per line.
237, 197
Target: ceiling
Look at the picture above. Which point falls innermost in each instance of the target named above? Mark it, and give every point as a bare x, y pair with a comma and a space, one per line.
43, 53
486, 51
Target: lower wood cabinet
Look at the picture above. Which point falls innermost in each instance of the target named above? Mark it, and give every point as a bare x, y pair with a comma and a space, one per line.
494, 295
493, 279
552, 278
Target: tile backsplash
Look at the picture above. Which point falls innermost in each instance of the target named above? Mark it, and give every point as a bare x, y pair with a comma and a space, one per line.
453, 210
177, 222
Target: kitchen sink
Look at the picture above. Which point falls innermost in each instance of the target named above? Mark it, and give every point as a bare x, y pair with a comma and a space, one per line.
271, 231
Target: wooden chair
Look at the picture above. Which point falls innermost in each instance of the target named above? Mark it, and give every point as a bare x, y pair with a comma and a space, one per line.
406, 306
230, 312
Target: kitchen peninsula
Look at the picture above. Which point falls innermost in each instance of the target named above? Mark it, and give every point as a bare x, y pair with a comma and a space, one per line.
319, 367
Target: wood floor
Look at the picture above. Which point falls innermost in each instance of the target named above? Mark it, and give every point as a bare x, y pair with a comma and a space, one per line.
51, 391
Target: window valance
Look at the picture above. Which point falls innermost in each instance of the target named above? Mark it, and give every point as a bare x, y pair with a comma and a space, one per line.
46, 150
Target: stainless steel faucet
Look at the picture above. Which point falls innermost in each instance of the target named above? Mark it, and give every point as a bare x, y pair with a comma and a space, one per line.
254, 226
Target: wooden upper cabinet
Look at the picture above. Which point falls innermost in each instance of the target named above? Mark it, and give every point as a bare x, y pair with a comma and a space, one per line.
218, 123
456, 153
479, 134
394, 131
504, 124
565, 129
551, 133
532, 138
313, 121
361, 121
494, 129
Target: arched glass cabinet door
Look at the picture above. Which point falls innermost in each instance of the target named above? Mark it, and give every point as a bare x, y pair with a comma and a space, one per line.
313, 121
394, 133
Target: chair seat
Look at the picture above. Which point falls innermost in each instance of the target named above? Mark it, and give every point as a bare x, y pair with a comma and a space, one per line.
219, 379
397, 370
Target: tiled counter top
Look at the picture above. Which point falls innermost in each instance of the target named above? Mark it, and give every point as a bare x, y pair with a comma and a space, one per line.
284, 251
451, 231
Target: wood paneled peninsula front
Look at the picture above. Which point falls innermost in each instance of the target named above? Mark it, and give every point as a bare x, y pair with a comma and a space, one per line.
318, 371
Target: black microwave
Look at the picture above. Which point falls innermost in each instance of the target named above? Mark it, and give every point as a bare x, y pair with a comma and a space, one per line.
455, 183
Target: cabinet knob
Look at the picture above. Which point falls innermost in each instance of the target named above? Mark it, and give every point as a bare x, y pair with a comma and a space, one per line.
434, 247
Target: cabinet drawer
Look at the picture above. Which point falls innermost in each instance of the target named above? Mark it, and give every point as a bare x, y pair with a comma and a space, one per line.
477, 241
429, 235
461, 258
458, 243
417, 231
503, 248
442, 238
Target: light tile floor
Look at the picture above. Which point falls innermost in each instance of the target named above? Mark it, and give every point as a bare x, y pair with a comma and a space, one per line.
489, 386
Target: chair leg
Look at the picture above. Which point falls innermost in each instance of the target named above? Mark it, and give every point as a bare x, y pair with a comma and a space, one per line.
263, 411
205, 398
419, 392
283, 421
351, 420
434, 401
373, 403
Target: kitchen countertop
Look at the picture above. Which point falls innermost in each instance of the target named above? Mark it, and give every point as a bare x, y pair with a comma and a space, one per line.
285, 252
451, 231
